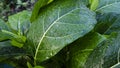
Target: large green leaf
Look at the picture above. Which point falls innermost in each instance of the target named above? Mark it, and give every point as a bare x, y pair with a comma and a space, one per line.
39, 4
20, 21
59, 24
106, 6
81, 49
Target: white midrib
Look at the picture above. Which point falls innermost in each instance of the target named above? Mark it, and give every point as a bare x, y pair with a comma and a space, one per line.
107, 6
49, 29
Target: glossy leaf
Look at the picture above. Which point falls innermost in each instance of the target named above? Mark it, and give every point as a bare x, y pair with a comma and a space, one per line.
107, 6
82, 48
58, 26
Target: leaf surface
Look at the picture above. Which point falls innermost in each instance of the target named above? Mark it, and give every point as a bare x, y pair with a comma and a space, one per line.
20, 21
58, 26
81, 49
7, 51
107, 6
3, 26
44, 3
107, 23
94, 4
107, 54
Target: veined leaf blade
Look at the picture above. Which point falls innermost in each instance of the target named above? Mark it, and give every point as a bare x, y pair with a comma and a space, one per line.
58, 26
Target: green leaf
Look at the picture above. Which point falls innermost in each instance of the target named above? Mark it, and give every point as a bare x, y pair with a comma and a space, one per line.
7, 51
17, 44
108, 23
20, 21
29, 65
107, 6
16, 40
94, 4
37, 7
38, 67
43, 3
3, 26
59, 24
106, 54
81, 49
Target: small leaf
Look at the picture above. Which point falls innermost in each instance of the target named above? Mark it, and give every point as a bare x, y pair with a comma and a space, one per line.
37, 7
29, 65
17, 40
16, 44
20, 22
94, 4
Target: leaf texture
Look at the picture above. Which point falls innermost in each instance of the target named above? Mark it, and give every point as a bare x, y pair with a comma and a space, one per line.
106, 55
20, 21
59, 24
3, 26
107, 6
82, 48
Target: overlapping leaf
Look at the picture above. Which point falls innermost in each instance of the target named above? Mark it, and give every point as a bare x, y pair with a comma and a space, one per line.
107, 54
7, 51
106, 21
59, 24
3, 26
39, 4
81, 49
107, 6
20, 21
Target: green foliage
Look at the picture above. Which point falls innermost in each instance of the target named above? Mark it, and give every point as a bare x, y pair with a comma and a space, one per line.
59, 27
63, 34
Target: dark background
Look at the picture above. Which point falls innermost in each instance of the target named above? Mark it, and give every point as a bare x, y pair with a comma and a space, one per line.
9, 7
